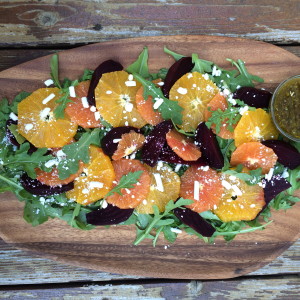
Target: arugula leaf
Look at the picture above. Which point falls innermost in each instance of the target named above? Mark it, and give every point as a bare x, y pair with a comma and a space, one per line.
54, 70
87, 75
160, 219
13, 128
21, 96
202, 66
170, 110
175, 55
59, 111
254, 176
4, 112
140, 66
127, 181
77, 151
162, 73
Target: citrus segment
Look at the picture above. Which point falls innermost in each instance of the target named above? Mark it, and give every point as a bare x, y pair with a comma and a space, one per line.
130, 198
193, 91
183, 146
115, 99
79, 110
130, 143
239, 201
52, 178
145, 107
96, 179
203, 185
37, 123
255, 126
254, 155
165, 186
218, 102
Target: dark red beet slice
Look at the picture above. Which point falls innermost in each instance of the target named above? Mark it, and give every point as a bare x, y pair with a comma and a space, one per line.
107, 143
195, 221
208, 144
13, 140
105, 67
35, 187
177, 70
273, 187
108, 216
155, 142
287, 154
253, 96
169, 156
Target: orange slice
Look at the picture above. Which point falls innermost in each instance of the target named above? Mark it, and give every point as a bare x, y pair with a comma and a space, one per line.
96, 179
79, 110
115, 99
183, 146
239, 201
255, 126
193, 91
165, 186
38, 124
130, 198
203, 185
145, 107
254, 155
130, 143
218, 102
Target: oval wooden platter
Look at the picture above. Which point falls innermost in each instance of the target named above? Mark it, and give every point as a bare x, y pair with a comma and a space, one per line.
111, 250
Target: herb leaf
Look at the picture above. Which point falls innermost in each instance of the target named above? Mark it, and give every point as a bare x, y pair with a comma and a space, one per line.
54, 70
170, 110
202, 66
175, 55
140, 66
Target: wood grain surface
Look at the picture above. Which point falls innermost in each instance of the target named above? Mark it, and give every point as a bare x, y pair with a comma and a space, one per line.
188, 258
66, 22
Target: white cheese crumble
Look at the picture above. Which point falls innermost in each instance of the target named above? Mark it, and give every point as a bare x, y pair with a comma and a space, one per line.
182, 90
205, 76
45, 112
128, 106
108, 92
51, 163
196, 190
158, 103
159, 184
104, 204
84, 102
242, 110
97, 115
270, 174
93, 108
176, 230
226, 184
13, 116
72, 91
96, 184
49, 98
237, 191
130, 83
190, 75
177, 168
216, 72
116, 140
48, 82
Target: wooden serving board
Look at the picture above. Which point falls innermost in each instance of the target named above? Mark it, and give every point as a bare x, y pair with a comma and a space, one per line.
111, 250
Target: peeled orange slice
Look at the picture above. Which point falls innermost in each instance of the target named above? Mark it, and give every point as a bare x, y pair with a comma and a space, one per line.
37, 123
193, 91
165, 186
255, 126
96, 179
240, 201
115, 99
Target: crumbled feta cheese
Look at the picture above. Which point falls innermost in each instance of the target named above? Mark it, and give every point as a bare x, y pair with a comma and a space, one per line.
130, 83
226, 184
104, 203
45, 112
28, 127
196, 190
242, 110
237, 191
93, 108
205, 76
177, 168
270, 174
116, 140
97, 115
13, 116
84, 102
108, 92
48, 82
216, 72
158, 103
128, 106
96, 184
49, 98
51, 163
159, 184
72, 91
182, 90
175, 230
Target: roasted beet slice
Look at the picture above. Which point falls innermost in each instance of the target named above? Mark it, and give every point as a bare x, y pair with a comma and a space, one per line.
177, 70
155, 142
35, 187
195, 221
287, 154
109, 144
253, 96
13, 140
169, 156
273, 187
108, 216
105, 67
208, 144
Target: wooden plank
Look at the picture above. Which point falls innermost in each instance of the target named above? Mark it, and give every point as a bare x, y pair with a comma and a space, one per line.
12, 57
26, 23
286, 288
20, 267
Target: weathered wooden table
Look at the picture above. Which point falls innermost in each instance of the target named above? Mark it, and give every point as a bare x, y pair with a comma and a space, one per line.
29, 29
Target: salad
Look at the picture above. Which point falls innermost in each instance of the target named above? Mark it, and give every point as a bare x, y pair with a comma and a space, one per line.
188, 149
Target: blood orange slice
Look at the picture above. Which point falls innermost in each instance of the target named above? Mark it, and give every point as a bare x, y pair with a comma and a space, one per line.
130, 198
79, 111
96, 179
38, 124
183, 146
203, 185
254, 155
165, 186
130, 143
239, 201
115, 99
193, 91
